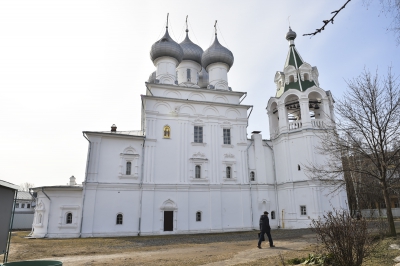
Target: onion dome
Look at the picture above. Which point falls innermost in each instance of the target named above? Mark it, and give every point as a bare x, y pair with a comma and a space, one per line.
191, 51
152, 77
217, 53
291, 35
203, 78
166, 46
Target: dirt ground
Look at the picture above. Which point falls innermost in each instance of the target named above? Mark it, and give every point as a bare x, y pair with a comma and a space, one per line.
238, 248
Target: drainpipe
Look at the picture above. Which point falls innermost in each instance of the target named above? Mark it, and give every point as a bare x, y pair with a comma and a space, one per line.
48, 216
142, 172
249, 116
84, 185
245, 95
248, 170
5, 258
276, 187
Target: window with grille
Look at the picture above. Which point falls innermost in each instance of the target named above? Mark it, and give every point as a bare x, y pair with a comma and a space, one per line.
119, 218
228, 172
303, 210
189, 78
198, 134
197, 171
198, 216
28, 206
273, 215
23, 205
128, 168
69, 218
227, 136
252, 176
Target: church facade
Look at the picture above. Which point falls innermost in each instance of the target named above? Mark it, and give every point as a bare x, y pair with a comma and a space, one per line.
192, 168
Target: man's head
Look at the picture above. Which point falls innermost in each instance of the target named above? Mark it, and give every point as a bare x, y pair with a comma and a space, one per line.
266, 213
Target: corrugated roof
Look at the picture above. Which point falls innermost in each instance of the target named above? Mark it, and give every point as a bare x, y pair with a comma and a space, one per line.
23, 195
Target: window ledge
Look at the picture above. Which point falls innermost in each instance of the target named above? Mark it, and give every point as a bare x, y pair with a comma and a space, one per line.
199, 180
198, 144
135, 176
66, 226
229, 179
227, 146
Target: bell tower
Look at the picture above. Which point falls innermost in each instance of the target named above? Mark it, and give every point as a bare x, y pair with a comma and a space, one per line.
300, 111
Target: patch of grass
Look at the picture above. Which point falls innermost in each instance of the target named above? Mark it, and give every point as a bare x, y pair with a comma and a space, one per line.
382, 255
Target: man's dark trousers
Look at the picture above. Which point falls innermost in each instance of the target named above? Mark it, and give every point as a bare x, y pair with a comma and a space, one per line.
268, 232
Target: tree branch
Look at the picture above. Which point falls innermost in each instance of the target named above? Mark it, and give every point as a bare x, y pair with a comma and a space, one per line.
326, 22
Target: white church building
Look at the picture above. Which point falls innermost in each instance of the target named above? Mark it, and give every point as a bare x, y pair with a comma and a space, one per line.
192, 168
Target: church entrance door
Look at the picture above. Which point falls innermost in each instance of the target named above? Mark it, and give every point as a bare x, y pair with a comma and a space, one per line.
168, 221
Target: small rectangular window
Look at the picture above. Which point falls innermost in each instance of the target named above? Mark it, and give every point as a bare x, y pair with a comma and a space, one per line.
228, 172
303, 210
128, 168
28, 206
17, 205
227, 136
197, 171
23, 205
189, 78
198, 216
198, 134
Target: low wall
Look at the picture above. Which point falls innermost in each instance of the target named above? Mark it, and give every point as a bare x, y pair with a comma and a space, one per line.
23, 221
375, 213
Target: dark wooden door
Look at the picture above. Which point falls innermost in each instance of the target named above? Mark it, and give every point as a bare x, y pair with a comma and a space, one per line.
168, 221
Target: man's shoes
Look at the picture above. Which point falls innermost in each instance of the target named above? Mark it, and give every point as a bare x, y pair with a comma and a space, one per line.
259, 247
272, 246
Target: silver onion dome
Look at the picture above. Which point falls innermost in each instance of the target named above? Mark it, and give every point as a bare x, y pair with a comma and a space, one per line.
166, 46
217, 53
291, 35
191, 51
152, 77
203, 78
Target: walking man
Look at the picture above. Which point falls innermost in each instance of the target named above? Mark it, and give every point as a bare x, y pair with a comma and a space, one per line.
265, 229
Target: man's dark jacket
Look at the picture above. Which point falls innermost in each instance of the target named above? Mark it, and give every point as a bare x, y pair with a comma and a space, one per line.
264, 223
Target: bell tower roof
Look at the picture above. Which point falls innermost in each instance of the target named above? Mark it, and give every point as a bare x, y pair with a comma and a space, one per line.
297, 73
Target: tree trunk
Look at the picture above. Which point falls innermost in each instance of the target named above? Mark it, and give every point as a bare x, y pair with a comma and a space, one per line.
389, 215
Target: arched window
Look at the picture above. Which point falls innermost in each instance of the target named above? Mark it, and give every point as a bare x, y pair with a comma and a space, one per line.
298, 167
228, 172
69, 218
167, 132
252, 176
119, 218
197, 171
128, 168
273, 215
306, 76
198, 216
291, 78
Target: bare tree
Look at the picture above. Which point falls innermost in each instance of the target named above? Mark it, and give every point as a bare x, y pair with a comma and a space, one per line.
26, 186
363, 143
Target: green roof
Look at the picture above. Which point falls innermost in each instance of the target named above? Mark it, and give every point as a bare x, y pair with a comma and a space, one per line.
294, 59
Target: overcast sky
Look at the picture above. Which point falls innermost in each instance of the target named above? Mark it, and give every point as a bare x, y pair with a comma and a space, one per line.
73, 66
